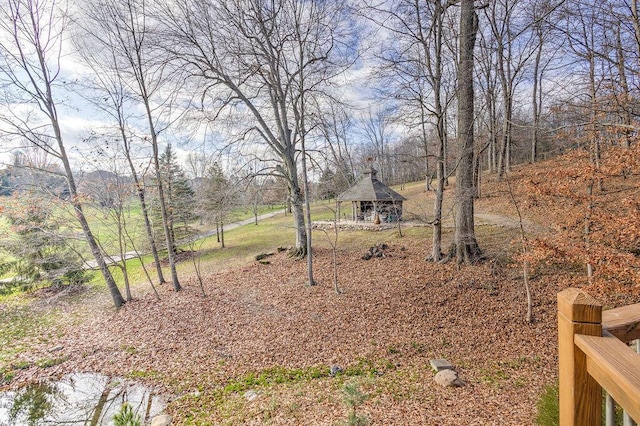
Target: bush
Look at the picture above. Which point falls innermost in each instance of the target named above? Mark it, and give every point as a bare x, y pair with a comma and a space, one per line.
126, 417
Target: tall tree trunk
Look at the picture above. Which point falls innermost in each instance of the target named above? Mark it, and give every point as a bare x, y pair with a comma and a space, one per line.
433, 61
161, 198
436, 252
118, 300
536, 99
626, 96
297, 209
635, 18
140, 190
148, 228
466, 247
492, 156
307, 208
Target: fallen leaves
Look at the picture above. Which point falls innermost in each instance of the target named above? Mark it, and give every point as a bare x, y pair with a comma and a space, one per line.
394, 315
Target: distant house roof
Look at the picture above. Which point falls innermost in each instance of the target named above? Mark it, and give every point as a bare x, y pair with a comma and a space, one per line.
370, 189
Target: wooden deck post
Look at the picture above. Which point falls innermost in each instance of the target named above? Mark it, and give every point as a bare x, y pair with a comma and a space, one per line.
580, 395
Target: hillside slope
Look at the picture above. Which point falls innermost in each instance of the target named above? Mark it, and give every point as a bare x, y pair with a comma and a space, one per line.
261, 328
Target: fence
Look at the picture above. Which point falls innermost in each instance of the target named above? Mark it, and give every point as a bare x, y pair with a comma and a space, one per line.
594, 354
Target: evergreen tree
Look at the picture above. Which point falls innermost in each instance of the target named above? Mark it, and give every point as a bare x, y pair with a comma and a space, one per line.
179, 199
218, 197
326, 185
39, 249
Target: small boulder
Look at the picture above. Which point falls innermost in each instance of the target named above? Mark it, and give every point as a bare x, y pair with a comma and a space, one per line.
250, 395
335, 369
448, 378
162, 420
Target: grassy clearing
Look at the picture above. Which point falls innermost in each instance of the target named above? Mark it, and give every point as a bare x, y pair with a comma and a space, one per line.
20, 322
282, 391
273, 388
20, 327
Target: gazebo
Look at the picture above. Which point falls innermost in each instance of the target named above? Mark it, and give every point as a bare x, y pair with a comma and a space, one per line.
371, 198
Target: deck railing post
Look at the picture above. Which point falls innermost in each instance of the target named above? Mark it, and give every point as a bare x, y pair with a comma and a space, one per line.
580, 395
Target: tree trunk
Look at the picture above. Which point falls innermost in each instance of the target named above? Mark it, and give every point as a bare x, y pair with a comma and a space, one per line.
625, 114
118, 300
466, 247
297, 209
147, 222
166, 221
537, 108
84, 224
297, 203
436, 252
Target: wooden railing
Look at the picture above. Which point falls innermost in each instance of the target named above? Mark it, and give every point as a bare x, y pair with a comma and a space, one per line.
594, 354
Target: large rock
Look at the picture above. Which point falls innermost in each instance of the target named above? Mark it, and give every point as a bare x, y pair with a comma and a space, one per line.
162, 420
448, 378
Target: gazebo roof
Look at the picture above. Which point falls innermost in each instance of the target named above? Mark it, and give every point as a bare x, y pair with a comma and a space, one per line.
370, 189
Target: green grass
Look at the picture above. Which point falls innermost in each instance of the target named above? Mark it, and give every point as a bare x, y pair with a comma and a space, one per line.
20, 325
228, 401
548, 408
242, 245
242, 213
275, 375
50, 362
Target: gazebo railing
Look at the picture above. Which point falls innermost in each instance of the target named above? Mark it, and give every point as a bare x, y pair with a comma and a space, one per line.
594, 355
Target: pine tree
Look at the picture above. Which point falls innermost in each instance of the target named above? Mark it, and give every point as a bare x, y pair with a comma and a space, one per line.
179, 199
217, 198
40, 250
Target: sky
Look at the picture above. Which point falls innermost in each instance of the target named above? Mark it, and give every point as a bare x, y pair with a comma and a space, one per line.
81, 122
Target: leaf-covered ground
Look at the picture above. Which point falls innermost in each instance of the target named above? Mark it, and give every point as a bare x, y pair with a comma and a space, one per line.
261, 328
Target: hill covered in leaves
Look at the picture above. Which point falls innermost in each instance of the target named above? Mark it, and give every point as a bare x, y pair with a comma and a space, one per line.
261, 329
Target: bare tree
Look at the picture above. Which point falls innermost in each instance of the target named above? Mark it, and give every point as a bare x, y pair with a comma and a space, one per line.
466, 247
515, 43
110, 94
255, 60
125, 26
375, 125
334, 126
418, 65
30, 53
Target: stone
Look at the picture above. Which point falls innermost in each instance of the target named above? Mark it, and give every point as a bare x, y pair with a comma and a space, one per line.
250, 395
335, 369
448, 378
440, 364
162, 420
56, 348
